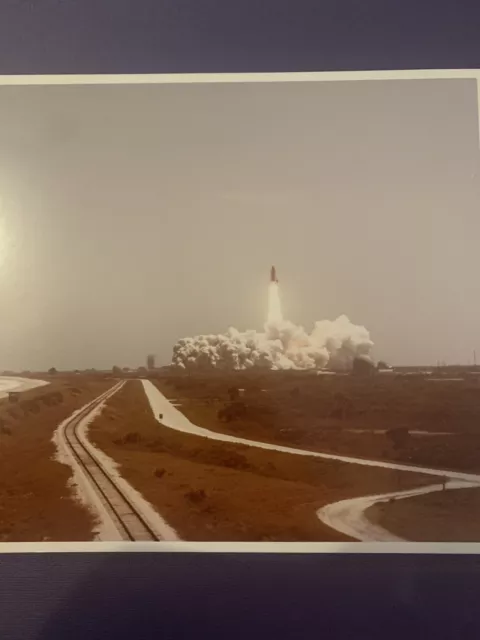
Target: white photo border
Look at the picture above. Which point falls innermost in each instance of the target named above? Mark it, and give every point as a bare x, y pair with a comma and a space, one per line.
443, 548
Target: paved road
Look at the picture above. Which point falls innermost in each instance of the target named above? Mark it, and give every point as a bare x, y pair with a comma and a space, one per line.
346, 516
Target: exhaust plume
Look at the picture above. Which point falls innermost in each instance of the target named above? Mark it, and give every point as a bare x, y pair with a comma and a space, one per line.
282, 344
274, 314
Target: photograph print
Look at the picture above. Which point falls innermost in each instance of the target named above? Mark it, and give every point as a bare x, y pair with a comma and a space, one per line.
240, 311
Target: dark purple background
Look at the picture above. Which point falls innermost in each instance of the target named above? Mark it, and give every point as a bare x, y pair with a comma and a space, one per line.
238, 597
136, 596
140, 36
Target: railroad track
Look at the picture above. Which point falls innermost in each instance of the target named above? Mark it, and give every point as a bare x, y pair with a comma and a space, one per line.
128, 520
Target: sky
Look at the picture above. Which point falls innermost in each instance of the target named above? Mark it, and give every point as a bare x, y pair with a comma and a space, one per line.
132, 216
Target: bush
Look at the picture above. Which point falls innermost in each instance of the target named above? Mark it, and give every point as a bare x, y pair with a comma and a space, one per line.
233, 411
6, 431
196, 496
233, 393
47, 400
235, 460
156, 445
132, 437
399, 437
51, 399
30, 406
57, 397
159, 473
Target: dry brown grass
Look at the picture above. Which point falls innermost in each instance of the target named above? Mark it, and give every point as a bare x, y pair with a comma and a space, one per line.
35, 501
444, 516
209, 490
319, 413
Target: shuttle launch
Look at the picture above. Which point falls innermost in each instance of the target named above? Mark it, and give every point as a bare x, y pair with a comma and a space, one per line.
281, 345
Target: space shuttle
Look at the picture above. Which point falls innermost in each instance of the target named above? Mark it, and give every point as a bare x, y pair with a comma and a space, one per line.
273, 275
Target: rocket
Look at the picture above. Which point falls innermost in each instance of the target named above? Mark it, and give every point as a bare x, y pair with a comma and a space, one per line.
273, 275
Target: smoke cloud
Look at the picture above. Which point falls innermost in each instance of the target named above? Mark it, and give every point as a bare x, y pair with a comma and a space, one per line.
282, 345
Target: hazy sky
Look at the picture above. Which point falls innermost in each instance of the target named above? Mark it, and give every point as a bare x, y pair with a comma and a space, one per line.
131, 216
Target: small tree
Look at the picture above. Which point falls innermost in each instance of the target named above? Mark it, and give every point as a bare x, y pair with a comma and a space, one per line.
343, 407
52, 371
233, 393
116, 371
399, 437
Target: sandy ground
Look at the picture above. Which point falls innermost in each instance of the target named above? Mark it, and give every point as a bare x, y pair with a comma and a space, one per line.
8, 384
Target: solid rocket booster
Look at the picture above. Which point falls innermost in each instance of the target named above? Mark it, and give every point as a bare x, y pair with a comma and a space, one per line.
273, 275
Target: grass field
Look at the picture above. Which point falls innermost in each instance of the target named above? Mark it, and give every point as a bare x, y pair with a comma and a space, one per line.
36, 502
436, 517
209, 490
410, 419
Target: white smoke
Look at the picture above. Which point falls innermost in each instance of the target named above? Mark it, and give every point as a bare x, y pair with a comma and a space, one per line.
282, 345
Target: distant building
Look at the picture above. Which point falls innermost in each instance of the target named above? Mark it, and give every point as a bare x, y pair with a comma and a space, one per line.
150, 362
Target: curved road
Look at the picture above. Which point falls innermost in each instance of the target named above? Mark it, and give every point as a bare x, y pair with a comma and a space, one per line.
346, 516
11, 383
